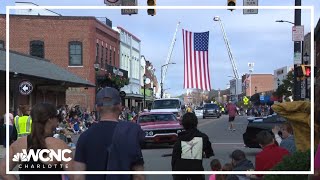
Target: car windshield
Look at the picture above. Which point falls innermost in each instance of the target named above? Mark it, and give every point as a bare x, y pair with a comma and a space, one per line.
156, 118
211, 106
166, 104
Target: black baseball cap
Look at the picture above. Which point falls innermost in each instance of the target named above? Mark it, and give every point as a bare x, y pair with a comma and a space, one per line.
108, 96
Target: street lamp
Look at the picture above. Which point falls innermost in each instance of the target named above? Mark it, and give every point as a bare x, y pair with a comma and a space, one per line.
282, 21
161, 83
144, 90
306, 58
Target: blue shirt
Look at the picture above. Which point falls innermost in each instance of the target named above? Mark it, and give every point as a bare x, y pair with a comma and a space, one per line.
95, 148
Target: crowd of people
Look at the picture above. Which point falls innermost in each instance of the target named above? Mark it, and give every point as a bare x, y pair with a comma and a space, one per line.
113, 145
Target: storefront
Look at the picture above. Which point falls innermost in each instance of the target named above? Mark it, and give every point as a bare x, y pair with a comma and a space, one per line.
33, 80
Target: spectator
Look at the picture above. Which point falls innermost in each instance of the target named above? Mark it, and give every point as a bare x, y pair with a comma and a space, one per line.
116, 143
271, 154
45, 119
190, 149
76, 123
287, 139
239, 163
23, 123
215, 166
3, 129
226, 167
232, 111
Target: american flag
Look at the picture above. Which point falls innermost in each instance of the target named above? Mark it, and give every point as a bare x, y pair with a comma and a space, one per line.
196, 64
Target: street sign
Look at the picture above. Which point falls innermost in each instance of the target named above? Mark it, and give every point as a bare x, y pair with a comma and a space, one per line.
245, 100
129, 3
112, 2
122, 94
261, 98
297, 58
250, 3
25, 87
297, 33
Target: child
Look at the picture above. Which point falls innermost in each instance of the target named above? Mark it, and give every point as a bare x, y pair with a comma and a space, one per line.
215, 166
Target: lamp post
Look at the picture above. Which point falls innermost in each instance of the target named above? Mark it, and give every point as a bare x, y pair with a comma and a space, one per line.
96, 66
144, 90
161, 83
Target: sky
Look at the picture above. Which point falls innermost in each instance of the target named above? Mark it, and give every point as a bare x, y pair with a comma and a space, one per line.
253, 38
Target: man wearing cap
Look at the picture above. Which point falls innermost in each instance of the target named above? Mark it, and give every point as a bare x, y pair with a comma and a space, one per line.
239, 163
110, 145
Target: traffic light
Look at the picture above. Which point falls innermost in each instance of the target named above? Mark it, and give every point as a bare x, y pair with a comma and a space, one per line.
302, 71
306, 70
151, 12
231, 3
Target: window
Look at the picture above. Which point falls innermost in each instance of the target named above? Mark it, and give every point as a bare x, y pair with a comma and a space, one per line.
75, 53
37, 48
1, 44
102, 55
110, 56
97, 52
106, 60
114, 58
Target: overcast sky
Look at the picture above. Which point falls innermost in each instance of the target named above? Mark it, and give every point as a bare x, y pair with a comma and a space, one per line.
253, 38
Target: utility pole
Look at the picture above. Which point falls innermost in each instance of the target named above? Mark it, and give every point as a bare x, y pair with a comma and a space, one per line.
297, 50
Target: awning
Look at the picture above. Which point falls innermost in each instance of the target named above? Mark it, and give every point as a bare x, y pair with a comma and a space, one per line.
40, 68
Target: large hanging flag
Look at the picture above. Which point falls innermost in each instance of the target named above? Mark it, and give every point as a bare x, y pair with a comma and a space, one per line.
196, 63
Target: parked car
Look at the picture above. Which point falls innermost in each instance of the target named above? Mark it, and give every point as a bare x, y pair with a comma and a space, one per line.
160, 127
257, 124
211, 110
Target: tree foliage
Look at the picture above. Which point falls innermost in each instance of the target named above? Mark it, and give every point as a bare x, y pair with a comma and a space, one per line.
286, 88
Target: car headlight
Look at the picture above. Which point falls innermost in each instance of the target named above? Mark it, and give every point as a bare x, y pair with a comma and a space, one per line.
179, 131
149, 133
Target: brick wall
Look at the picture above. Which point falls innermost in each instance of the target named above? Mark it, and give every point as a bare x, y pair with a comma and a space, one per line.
263, 82
56, 33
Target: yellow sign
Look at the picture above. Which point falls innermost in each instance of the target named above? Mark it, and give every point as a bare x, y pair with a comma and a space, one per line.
245, 100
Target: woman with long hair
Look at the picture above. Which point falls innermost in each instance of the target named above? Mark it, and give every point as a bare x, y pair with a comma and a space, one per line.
41, 142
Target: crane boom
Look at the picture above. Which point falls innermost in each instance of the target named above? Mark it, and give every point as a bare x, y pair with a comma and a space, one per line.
170, 52
234, 66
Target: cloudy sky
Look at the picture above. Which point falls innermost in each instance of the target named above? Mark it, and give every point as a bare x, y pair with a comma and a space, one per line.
253, 38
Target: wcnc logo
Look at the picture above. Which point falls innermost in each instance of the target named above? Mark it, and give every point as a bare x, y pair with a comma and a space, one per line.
44, 155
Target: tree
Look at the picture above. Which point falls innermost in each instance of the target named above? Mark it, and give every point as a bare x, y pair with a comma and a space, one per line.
286, 88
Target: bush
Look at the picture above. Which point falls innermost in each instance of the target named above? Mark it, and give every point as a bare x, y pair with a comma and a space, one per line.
299, 161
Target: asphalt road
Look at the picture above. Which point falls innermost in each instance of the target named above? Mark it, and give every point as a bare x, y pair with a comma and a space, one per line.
223, 143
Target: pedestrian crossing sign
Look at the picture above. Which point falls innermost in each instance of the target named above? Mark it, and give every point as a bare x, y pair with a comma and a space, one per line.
245, 100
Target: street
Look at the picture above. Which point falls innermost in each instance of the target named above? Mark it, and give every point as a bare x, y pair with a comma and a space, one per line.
223, 143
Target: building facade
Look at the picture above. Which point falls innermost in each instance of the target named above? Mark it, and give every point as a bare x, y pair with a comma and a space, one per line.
81, 45
259, 83
279, 75
130, 60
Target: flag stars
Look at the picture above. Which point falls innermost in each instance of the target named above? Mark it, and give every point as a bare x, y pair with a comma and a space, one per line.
201, 41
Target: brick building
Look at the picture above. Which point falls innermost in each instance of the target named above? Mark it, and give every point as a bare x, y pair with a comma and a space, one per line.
73, 43
259, 83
